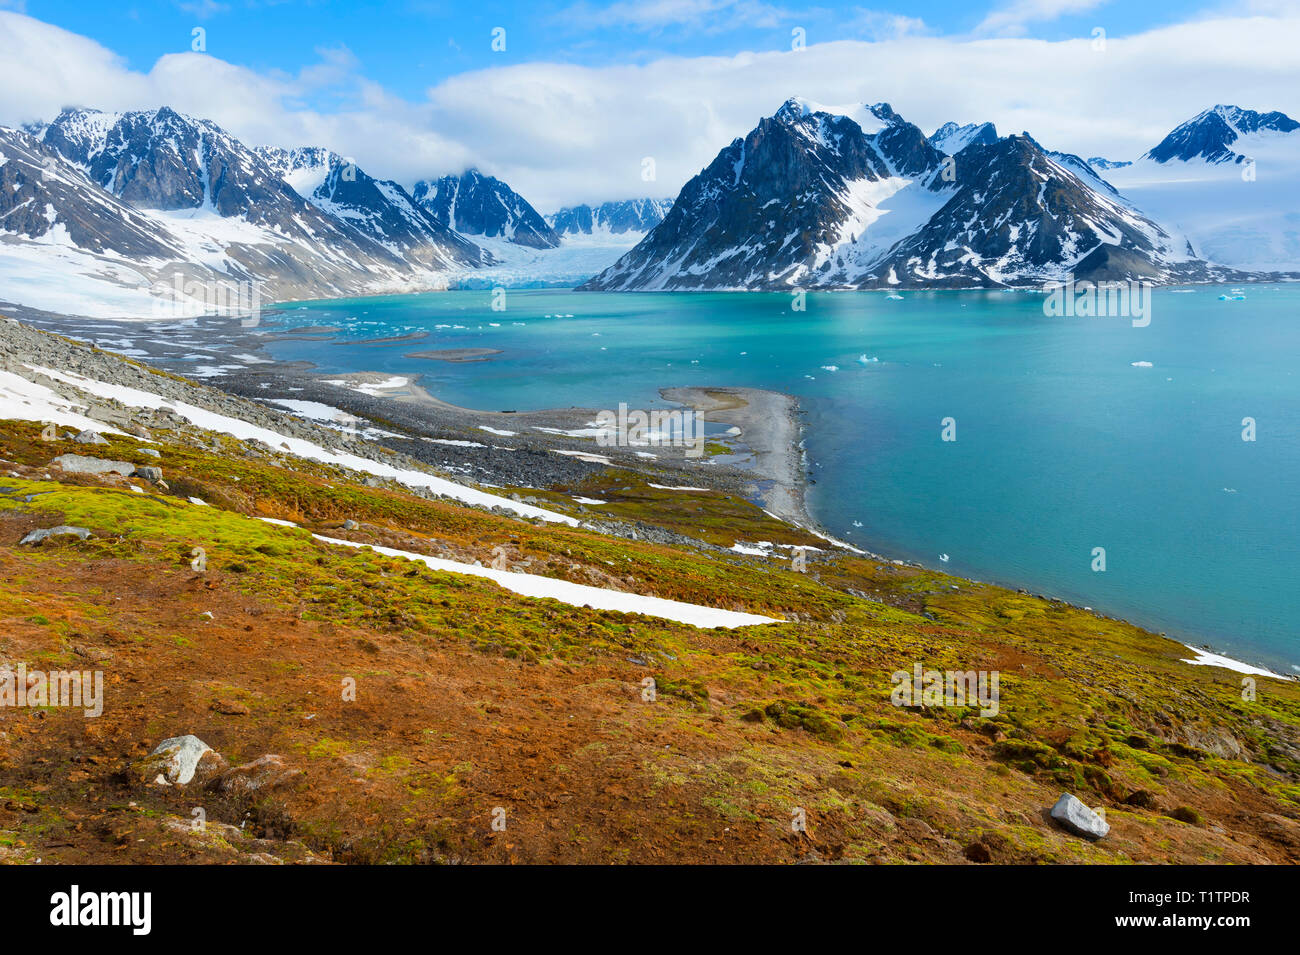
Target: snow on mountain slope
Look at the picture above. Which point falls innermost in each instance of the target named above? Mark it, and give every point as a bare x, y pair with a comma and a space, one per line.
104, 214
1222, 134
952, 139
610, 218
475, 204
810, 199
70, 247
377, 207
775, 208
1230, 180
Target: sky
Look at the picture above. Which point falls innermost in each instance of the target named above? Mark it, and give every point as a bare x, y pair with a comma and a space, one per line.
567, 99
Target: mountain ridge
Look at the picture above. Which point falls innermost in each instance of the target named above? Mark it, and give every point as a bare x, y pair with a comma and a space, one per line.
883, 207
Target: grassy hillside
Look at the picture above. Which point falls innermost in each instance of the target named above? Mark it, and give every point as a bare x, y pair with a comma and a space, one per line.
469, 698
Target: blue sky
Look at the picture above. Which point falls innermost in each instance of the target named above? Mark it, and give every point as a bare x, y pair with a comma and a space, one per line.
412, 44
586, 90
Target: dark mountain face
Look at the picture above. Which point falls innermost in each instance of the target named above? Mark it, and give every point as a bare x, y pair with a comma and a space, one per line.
1210, 135
623, 216
809, 199
162, 160
159, 159
475, 204
357, 234
766, 210
1020, 215
41, 192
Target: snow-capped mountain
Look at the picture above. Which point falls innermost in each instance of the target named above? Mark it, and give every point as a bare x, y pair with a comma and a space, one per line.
615, 218
1219, 135
1228, 179
380, 208
776, 207
131, 199
952, 139
68, 246
1102, 163
44, 197
820, 197
1020, 215
475, 204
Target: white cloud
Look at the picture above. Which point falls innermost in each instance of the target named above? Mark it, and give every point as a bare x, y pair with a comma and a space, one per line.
563, 133
1013, 18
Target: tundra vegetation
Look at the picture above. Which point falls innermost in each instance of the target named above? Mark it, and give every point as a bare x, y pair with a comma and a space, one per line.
408, 710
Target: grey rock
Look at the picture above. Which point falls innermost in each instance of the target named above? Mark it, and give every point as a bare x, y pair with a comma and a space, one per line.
178, 757
149, 473
265, 772
152, 452
80, 464
1078, 818
350, 525
90, 437
63, 530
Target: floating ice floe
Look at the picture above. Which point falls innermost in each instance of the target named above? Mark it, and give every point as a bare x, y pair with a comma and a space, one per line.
1140, 364
865, 360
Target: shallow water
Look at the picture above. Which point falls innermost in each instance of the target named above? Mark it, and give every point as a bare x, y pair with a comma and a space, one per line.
1062, 444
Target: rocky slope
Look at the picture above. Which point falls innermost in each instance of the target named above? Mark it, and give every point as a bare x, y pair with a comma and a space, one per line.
476, 204
817, 197
614, 218
1217, 135
380, 208
135, 199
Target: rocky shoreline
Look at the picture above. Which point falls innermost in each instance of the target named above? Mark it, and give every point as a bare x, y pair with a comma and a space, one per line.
372, 415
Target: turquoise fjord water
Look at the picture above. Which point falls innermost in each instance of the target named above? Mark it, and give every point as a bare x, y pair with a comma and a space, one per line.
1063, 444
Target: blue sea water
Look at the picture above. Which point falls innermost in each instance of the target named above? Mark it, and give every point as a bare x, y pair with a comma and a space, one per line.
1063, 444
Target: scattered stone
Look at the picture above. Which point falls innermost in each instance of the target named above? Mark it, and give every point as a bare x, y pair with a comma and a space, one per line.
978, 852
152, 452
149, 473
1188, 815
90, 437
350, 525
176, 759
80, 464
63, 530
265, 772
230, 708
1078, 818
1213, 740
1141, 798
